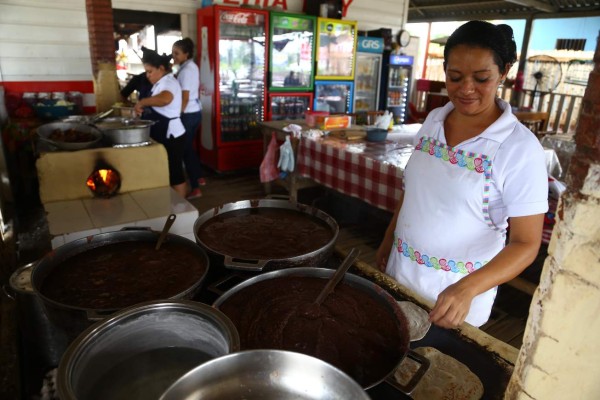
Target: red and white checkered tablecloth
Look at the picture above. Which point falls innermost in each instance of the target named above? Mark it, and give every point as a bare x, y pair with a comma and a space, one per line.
371, 172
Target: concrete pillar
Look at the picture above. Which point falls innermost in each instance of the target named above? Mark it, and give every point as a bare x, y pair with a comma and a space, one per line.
560, 356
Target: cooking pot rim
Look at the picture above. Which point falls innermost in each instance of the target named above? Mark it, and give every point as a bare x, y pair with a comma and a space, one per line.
55, 257
350, 278
290, 358
77, 349
288, 204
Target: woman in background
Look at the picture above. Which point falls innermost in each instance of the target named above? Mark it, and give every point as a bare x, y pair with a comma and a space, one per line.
164, 107
188, 77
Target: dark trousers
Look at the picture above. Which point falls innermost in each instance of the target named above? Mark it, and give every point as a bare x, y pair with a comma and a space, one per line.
191, 122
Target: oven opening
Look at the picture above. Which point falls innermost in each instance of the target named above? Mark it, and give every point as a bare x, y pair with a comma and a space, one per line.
104, 181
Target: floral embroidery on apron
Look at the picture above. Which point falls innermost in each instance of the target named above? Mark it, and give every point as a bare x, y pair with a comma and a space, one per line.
461, 267
472, 161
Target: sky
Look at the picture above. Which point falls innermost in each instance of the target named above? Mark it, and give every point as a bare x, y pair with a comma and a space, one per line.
544, 32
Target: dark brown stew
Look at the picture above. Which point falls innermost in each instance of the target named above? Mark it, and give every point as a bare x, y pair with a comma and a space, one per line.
265, 233
119, 275
350, 330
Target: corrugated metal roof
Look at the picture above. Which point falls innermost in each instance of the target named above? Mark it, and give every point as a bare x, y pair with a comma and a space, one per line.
464, 10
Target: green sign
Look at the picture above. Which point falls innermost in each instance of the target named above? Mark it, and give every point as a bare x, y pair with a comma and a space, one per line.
292, 23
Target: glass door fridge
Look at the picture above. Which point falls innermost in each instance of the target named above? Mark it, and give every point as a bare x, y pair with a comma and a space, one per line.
292, 49
368, 71
288, 106
336, 49
232, 49
397, 91
334, 97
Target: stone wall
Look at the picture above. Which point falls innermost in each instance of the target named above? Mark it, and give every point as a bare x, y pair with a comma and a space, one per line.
560, 356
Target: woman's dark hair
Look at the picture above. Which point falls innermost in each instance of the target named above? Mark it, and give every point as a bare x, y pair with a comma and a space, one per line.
186, 45
151, 57
498, 38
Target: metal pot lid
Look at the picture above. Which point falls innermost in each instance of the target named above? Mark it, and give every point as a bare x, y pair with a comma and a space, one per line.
123, 123
20, 280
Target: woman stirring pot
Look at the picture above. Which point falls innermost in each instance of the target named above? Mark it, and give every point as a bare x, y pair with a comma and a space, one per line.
164, 107
475, 167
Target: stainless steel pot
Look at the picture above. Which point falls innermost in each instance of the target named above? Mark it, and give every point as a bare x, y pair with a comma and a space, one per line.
44, 132
140, 351
311, 259
121, 130
41, 337
373, 290
73, 320
265, 375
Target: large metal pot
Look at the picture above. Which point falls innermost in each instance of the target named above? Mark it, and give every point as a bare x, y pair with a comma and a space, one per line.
265, 374
44, 132
40, 336
260, 264
121, 130
384, 299
140, 351
73, 319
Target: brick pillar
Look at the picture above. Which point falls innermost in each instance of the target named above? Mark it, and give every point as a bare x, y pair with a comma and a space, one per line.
560, 355
102, 52
100, 29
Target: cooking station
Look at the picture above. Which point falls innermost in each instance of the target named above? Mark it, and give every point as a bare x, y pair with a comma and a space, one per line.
490, 359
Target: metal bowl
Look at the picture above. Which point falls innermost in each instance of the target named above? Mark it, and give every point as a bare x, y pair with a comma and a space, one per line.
122, 130
46, 130
265, 375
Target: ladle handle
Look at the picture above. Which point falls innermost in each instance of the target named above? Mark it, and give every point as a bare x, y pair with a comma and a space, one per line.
163, 234
338, 275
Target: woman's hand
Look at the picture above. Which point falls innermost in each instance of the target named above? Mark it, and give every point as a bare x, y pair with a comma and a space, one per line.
138, 109
452, 306
383, 253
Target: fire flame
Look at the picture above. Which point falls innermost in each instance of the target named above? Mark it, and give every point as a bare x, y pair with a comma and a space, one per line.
104, 182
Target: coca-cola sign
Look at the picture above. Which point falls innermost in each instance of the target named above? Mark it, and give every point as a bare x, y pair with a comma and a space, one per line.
285, 5
239, 18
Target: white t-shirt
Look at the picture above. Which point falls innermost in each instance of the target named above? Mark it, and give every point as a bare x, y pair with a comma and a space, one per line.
173, 109
519, 185
189, 79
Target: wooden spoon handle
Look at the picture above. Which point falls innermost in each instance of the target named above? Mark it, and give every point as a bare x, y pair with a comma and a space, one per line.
338, 275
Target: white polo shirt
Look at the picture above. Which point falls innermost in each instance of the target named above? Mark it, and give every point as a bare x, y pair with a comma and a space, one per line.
519, 185
189, 79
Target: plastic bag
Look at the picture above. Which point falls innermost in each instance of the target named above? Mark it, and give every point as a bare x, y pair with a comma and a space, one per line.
268, 169
286, 158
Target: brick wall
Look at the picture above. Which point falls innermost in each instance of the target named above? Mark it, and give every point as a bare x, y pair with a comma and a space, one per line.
100, 30
560, 355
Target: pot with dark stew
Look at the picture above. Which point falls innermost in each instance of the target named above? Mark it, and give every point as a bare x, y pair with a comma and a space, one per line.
88, 279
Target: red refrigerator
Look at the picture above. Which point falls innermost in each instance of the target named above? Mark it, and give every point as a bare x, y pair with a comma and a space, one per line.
232, 52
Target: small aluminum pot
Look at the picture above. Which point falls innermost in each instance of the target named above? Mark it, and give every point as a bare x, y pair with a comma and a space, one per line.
140, 351
39, 334
122, 130
266, 374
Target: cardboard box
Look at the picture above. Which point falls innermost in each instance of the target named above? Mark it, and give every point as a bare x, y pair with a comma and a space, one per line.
336, 122
314, 118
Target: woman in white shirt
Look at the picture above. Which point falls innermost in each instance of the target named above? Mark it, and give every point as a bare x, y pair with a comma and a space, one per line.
474, 169
164, 107
188, 77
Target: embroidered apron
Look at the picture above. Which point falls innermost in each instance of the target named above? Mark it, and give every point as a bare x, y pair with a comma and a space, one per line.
444, 230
